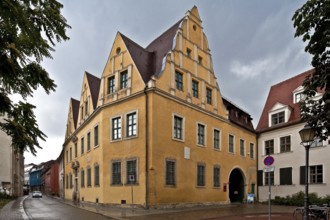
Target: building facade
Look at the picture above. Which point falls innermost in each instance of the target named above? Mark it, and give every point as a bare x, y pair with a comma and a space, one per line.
155, 129
35, 178
278, 136
50, 178
11, 166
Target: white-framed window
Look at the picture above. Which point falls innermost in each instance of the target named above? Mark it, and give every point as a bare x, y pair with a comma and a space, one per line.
285, 144
278, 118
317, 142
82, 178
131, 124
269, 147
201, 134
82, 145
116, 128
316, 174
111, 85
252, 150
178, 124
209, 96
88, 141
96, 135
179, 80
241, 147
89, 176
216, 138
231, 143
124, 79
195, 88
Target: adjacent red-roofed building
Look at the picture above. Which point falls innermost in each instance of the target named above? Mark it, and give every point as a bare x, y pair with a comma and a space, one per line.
278, 136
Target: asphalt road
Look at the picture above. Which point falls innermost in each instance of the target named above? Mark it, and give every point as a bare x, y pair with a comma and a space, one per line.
48, 208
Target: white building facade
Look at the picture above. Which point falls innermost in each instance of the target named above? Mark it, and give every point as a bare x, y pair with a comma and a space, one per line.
278, 136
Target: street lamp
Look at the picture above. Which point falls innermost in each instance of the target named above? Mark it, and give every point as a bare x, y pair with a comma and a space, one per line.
307, 135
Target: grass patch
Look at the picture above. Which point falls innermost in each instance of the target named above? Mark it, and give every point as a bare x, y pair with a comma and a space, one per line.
3, 202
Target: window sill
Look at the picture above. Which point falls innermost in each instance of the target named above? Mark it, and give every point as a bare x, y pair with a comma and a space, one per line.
200, 145
170, 186
201, 187
116, 184
131, 184
285, 152
217, 149
177, 139
96, 146
115, 140
131, 137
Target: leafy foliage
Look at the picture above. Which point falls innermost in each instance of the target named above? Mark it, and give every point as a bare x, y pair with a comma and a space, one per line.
29, 30
312, 22
297, 199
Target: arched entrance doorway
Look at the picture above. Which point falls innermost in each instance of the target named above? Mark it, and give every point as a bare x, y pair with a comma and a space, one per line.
236, 186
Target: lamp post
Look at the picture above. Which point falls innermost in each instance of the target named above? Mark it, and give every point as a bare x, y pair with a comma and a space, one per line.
307, 135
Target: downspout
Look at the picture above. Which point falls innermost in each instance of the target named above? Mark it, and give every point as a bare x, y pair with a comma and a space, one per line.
147, 146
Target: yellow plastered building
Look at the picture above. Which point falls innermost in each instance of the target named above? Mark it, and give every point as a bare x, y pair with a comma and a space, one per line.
155, 130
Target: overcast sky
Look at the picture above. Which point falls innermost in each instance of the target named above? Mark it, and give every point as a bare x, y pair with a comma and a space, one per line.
252, 46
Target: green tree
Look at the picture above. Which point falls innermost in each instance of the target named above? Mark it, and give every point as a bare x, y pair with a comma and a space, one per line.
312, 22
29, 30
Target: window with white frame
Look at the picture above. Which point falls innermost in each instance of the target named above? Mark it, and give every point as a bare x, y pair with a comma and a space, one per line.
285, 144
316, 174
200, 134
271, 178
208, 96
299, 97
131, 124
278, 118
116, 128
116, 173
111, 85
170, 172
177, 127
242, 147
269, 147
231, 143
179, 80
88, 141
317, 142
123, 79
96, 135
195, 88
89, 177
251, 150
216, 139
82, 142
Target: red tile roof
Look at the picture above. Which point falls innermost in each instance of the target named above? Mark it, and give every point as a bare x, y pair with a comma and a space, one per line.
282, 93
75, 111
94, 86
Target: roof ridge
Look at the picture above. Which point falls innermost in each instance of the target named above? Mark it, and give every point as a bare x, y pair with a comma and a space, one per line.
167, 30
291, 78
131, 41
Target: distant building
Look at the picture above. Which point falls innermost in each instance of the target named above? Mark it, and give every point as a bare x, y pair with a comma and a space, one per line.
49, 178
155, 124
35, 178
11, 166
27, 168
60, 163
278, 136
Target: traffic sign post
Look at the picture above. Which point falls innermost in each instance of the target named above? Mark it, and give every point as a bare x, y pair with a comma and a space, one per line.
268, 161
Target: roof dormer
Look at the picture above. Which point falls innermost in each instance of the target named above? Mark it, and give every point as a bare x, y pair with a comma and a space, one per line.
279, 114
298, 95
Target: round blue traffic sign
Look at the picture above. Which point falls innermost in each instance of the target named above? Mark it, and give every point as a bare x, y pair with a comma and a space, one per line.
269, 160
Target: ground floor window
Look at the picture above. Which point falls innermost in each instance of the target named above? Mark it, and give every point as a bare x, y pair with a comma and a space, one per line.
316, 174
216, 176
116, 173
200, 175
131, 171
170, 172
286, 176
271, 178
89, 177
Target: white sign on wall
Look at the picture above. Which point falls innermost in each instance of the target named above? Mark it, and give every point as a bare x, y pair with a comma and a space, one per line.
187, 153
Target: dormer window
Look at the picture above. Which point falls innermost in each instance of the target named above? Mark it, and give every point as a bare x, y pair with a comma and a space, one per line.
299, 97
278, 118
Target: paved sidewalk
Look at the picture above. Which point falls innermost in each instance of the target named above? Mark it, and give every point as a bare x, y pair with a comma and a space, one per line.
14, 210
218, 212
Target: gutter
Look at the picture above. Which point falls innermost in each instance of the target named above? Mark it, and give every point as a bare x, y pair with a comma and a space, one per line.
147, 148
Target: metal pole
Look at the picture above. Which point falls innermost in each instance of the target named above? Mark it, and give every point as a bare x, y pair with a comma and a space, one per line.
269, 198
306, 213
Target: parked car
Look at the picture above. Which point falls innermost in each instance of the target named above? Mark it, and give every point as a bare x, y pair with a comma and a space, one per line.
36, 194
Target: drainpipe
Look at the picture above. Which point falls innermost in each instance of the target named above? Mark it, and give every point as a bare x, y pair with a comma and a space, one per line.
147, 147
